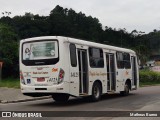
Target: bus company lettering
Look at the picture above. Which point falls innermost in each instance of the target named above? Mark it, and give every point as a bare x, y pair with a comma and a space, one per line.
127, 73
40, 72
97, 73
39, 68
54, 80
55, 70
74, 74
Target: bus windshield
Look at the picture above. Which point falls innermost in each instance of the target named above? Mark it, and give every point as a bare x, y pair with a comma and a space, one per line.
40, 50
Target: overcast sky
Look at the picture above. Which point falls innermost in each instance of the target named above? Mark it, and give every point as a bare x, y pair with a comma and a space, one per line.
142, 15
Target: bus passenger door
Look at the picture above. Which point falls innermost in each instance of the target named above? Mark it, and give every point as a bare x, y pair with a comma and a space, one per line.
74, 71
111, 78
120, 72
83, 71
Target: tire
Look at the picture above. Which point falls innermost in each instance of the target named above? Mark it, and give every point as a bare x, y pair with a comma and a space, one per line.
96, 92
126, 90
62, 98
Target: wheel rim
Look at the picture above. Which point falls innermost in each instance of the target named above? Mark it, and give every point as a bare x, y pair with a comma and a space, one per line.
96, 92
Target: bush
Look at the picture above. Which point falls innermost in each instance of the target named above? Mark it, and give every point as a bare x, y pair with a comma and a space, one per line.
10, 83
147, 76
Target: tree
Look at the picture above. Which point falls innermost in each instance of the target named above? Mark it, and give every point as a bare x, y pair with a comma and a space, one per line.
9, 50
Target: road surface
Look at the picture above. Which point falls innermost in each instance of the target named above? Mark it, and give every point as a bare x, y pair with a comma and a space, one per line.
144, 99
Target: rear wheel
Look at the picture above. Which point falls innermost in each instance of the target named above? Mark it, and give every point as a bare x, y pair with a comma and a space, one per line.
96, 92
60, 97
126, 90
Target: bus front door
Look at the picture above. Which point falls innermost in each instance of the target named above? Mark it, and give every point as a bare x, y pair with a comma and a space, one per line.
83, 71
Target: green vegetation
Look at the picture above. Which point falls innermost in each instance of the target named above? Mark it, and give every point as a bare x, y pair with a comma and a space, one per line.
10, 83
148, 77
9, 51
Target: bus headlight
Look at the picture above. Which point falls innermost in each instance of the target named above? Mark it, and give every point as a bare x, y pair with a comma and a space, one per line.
61, 76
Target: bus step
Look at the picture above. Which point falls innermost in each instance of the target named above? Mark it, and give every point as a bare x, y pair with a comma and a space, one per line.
110, 91
83, 94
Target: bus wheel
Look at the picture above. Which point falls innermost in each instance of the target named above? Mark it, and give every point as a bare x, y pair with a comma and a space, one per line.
126, 90
60, 97
96, 92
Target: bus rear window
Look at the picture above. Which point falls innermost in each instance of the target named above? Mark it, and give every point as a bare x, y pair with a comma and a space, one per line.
39, 51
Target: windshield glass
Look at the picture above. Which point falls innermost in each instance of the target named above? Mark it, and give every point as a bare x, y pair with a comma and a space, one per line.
40, 50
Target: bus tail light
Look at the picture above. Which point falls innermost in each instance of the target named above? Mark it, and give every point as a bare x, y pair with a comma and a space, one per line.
61, 76
22, 78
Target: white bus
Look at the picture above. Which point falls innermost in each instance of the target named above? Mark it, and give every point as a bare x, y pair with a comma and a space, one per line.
63, 67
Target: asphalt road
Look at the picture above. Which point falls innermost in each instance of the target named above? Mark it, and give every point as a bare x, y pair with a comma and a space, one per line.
144, 99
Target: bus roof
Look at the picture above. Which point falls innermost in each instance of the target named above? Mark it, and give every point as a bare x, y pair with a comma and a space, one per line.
81, 42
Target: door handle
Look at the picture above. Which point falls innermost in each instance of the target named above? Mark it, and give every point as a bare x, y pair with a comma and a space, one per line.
117, 73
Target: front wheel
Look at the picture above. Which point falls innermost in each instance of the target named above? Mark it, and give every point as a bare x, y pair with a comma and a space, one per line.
126, 90
60, 97
96, 92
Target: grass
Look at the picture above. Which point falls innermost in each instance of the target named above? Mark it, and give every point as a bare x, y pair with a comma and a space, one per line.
143, 84
10, 83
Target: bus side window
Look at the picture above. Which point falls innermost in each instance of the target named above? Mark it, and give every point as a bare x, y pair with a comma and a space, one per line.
96, 57
127, 63
123, 60
120, 63
73, 55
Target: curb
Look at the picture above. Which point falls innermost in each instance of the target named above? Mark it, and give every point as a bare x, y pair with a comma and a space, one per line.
24, 100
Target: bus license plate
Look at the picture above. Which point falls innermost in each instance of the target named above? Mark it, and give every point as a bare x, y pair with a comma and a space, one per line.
41, 79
